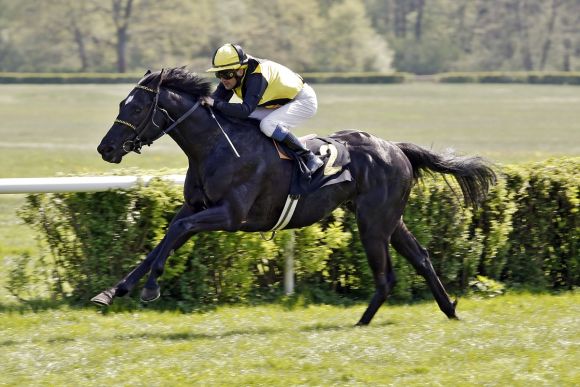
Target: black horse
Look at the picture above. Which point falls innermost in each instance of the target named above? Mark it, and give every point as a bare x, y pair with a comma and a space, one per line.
247, 193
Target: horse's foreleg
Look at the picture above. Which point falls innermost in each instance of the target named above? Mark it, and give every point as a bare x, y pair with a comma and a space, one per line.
406, 244
212, 219
124, 286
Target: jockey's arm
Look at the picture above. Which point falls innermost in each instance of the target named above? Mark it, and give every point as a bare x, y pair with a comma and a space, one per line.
255, 86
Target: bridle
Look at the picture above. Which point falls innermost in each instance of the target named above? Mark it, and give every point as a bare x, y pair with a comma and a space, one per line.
137, 142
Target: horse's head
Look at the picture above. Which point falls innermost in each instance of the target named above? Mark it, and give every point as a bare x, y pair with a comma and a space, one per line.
139, 121
142, 118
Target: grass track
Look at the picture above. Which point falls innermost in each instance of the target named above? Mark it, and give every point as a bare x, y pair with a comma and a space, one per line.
515, 340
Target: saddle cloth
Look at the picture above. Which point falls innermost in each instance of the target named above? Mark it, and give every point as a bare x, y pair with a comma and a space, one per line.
335, 170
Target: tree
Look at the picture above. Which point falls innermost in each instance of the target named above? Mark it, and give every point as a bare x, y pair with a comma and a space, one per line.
349, 43
311, 35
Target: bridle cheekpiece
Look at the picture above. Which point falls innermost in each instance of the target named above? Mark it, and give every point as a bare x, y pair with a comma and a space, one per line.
137, 143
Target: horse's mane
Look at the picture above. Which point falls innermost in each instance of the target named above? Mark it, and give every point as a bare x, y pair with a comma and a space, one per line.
181, 79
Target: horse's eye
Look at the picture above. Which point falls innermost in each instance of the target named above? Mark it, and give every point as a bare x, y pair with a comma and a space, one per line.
137, 110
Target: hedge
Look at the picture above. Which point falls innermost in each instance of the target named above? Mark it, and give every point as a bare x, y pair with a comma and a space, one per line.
358, 78
524, 235
68, 78
557, 78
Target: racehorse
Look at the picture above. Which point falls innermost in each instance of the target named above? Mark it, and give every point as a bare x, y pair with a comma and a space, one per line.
247, 193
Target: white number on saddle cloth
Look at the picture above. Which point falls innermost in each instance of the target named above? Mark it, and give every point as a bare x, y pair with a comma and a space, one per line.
329, 168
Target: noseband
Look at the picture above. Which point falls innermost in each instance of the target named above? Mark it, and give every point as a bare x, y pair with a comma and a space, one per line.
137, 143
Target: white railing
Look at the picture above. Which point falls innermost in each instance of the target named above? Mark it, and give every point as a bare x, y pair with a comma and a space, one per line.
78, 183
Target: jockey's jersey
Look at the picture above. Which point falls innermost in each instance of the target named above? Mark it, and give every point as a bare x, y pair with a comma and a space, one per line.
265, 83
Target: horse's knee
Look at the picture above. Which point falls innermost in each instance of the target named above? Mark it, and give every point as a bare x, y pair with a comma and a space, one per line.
179, 227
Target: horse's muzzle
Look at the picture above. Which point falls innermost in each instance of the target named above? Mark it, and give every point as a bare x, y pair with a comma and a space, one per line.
109, 153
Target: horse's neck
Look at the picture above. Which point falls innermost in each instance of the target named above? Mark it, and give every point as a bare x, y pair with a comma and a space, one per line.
196, 135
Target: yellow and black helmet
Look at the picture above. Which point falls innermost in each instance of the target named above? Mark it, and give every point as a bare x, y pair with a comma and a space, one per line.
228, 57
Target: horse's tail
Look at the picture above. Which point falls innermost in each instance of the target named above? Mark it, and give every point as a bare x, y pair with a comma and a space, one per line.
473, 174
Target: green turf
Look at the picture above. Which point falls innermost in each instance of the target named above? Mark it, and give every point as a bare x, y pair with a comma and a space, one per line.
514, 340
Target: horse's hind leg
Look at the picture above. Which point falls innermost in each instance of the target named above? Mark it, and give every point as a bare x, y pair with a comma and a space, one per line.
406, 245
380, 262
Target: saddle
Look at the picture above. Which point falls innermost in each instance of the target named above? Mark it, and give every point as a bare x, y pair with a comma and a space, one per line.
335, 170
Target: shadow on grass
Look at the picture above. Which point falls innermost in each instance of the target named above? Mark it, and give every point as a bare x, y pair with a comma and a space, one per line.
34, 305
190, 336
262, 331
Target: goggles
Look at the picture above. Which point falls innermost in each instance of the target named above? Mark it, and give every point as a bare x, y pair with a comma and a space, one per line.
225, 74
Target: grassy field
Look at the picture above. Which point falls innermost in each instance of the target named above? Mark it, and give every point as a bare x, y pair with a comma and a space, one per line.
514, 340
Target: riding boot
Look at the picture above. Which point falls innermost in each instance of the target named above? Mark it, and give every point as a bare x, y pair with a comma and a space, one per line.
312, 161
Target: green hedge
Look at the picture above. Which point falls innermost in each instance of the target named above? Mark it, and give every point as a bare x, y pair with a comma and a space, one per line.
526, 234
558, 78
358, 78
68, 78
569, 78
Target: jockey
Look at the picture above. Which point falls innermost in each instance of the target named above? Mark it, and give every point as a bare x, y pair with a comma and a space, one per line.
270, 93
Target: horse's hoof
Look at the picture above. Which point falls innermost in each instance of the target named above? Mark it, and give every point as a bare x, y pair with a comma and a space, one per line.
104, 298
150, 295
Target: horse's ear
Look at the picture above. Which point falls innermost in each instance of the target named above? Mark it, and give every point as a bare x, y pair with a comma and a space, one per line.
147, 73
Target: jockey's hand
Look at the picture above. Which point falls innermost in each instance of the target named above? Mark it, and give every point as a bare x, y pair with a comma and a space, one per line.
206, 101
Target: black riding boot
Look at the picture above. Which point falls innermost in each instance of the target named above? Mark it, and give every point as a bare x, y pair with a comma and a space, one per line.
312, 161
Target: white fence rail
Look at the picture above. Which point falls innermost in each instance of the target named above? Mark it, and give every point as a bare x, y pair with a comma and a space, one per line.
78, 184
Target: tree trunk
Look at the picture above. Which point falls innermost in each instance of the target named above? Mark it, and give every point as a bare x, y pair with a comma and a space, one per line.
121, 50
522, 29
419, 20
567, 48
400, 18
121, 17
548, 42
81, 48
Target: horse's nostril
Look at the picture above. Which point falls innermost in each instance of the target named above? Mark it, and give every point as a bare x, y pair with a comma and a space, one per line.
103, 148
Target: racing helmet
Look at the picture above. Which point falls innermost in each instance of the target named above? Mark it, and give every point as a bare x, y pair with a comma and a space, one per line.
228, 57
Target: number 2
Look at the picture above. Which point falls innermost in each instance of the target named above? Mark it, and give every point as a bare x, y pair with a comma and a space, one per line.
329, 168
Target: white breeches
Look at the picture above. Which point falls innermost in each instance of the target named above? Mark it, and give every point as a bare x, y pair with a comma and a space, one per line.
295, 112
